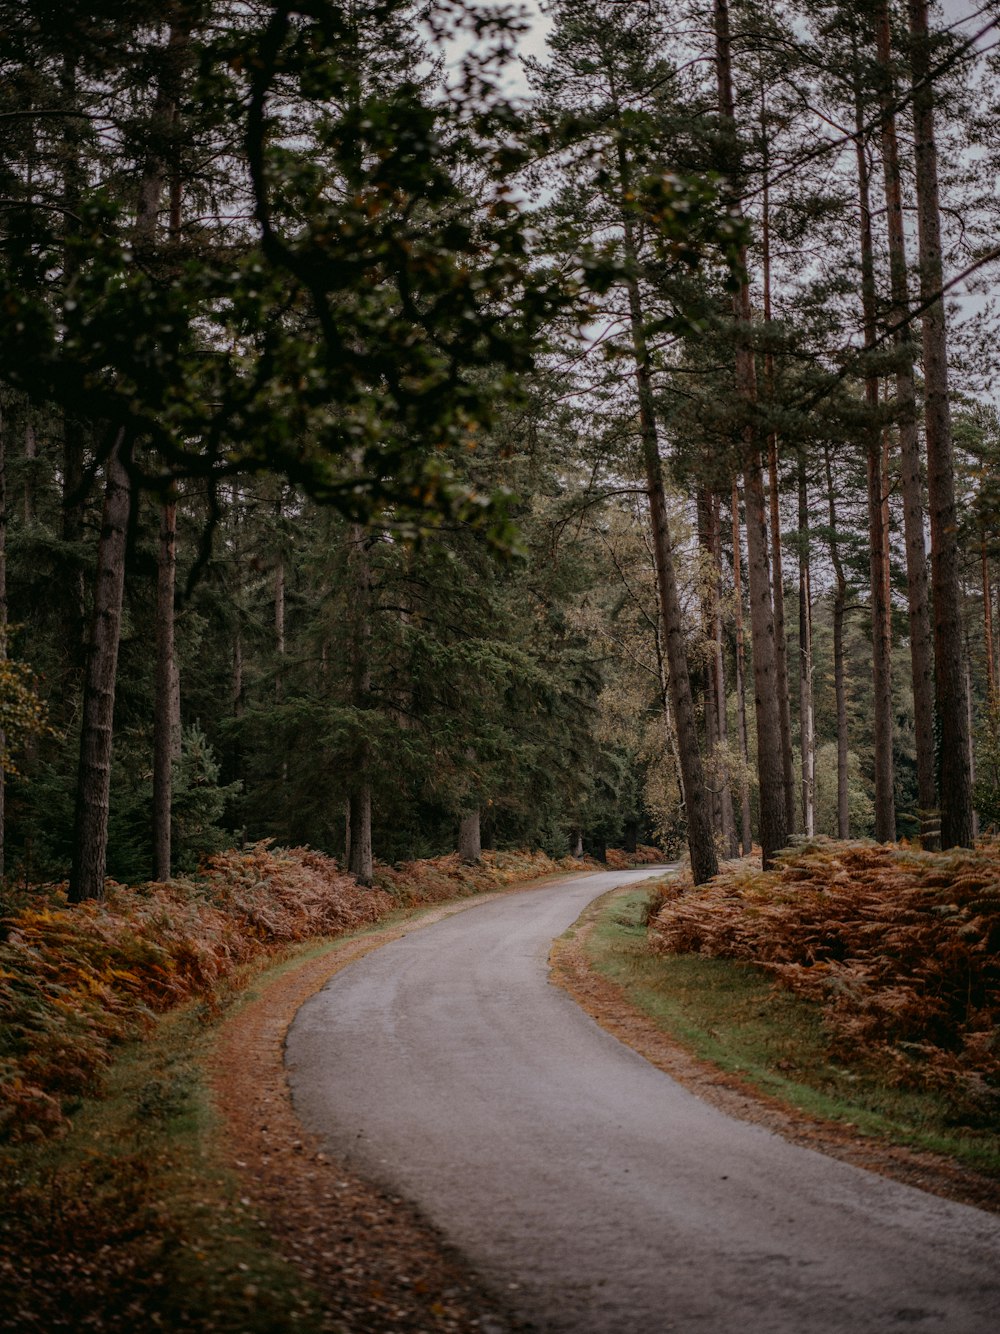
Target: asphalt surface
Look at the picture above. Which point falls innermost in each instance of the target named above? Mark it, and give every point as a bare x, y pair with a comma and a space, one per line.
591, 1189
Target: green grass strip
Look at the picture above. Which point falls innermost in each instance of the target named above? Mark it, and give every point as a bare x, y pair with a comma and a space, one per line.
735, 1016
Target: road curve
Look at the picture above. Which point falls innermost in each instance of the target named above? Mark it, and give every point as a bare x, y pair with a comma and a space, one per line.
598, 1194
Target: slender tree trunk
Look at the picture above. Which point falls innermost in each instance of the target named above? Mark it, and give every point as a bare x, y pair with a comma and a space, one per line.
90, 841
708, 582
741, 699
780, 640
360, 862
950, 686
164, 722
885, 808
3, 634
73, 433
806, 717
771, 774
840, 690
30, 462
701, 842
911, 484
991, 675
730, 840
470, 846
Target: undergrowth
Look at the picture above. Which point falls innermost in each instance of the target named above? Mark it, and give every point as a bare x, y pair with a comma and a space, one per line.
900, 948
78, 980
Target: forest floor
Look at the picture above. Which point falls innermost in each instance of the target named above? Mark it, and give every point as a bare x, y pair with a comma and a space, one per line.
379, 1264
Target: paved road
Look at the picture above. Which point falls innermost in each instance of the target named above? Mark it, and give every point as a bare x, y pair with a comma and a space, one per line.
598, 1193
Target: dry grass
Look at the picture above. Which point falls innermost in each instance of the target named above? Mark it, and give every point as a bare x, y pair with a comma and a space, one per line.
901, 948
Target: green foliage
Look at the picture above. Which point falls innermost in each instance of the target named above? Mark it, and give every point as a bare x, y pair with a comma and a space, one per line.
23, 714
199, 802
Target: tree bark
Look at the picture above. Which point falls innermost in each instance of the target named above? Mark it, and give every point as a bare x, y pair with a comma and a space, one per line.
360, 862
3, 633
165, 722
73, 433
90, 840
950, 685
741, 702
885, 808
991, 675
708, 584
729, 838
840, 690
773, 790
911, 485
780, 641
700, 837
807, 731
470, 846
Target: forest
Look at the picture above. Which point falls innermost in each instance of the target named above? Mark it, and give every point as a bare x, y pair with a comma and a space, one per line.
401, 454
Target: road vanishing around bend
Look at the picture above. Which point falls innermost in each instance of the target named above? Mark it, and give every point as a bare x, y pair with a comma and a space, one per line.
590, 1189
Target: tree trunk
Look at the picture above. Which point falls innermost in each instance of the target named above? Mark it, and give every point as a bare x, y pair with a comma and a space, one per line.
576, 841
164, 720
90, 839
470, 847
30, 463
770, 758
911, 485
3, 633
360, 862
806, 717
950, 687
885, 808
93, 789
73, 434
991, 676
741, 699
840, 691
710, 693
730, 841
701, 841
780, 640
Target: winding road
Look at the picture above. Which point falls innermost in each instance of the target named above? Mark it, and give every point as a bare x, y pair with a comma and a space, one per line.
591, 1189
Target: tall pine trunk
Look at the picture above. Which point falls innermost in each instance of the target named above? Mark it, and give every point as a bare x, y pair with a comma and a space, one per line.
90, 838
839, 682
950, 682
911, 483
807, 729
359, 861
700, 837
72, 428
730, 840
780, 641
746, 831
774, 828
165, 722
3, 632
885, 808
94, 782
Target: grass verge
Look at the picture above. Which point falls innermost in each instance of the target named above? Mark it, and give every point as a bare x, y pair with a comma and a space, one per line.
131, 1220
734, 1016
